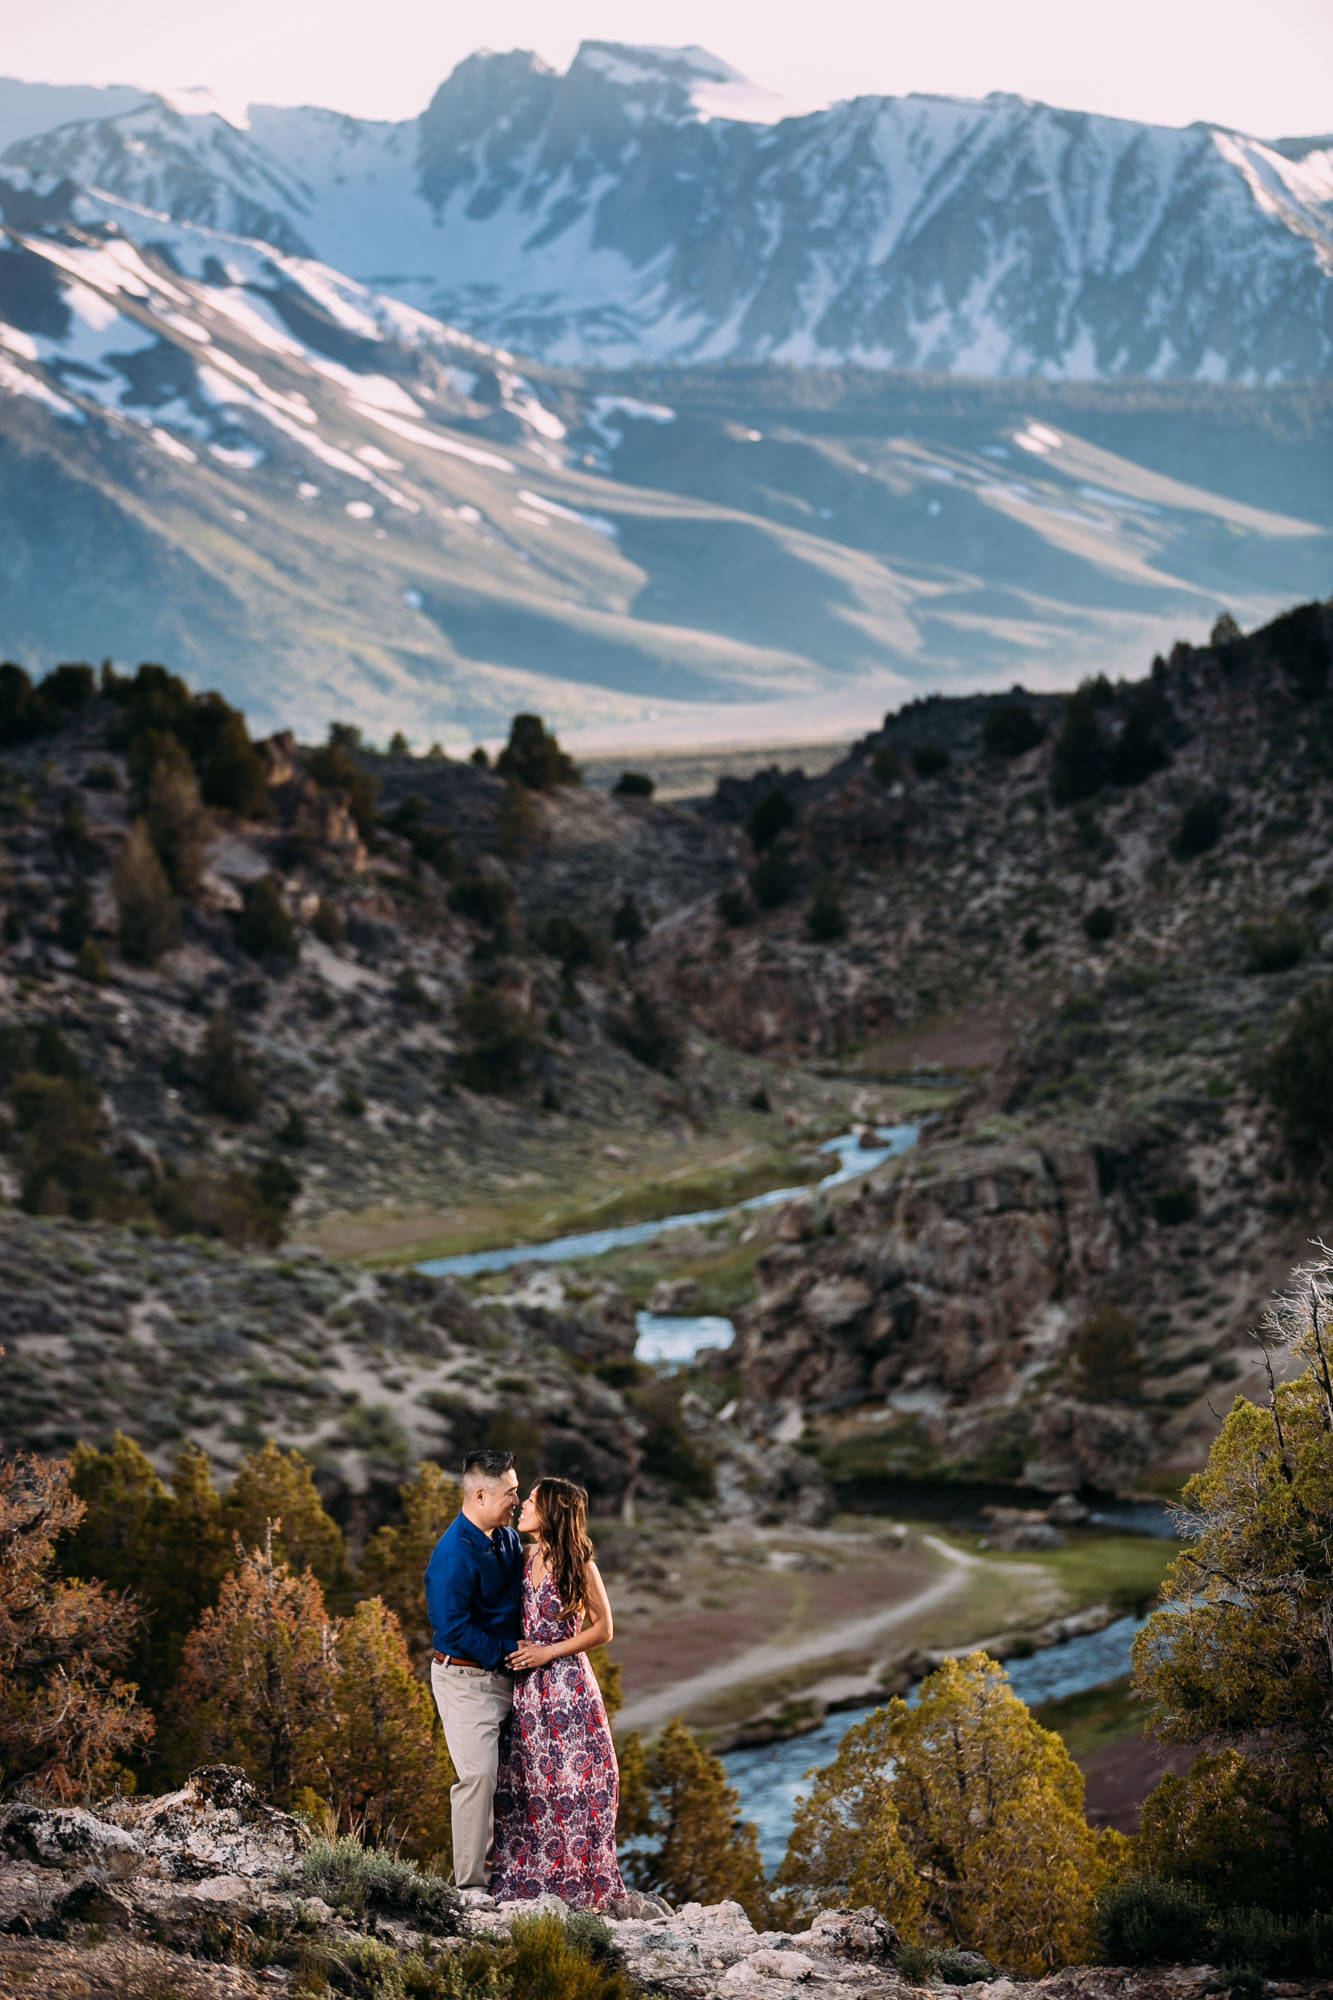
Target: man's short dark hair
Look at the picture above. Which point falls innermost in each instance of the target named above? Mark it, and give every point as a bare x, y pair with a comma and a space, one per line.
487, 1465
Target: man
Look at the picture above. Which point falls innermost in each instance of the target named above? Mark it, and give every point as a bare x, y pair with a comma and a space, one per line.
474, 1597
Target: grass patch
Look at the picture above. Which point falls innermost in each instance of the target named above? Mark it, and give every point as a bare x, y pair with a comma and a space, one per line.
1095, 1719
724, 1274
1124, 1570
357, 1880
534, 1217
893, 1451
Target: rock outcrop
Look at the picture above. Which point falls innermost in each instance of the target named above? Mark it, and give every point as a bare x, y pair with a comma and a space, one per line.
204, 1894
948, 1288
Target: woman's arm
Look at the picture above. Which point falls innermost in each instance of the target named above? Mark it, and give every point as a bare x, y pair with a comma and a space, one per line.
598, 1630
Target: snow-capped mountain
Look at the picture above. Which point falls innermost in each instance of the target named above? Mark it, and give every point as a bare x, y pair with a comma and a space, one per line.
648, 204
325, 502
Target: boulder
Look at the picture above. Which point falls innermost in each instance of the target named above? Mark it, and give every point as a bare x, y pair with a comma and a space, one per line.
69, 1837
91, 1900
216, 1825
854, 1934
1105, 1445
674, 1295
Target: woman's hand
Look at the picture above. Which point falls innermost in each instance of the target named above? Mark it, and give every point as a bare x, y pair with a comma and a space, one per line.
527, 1655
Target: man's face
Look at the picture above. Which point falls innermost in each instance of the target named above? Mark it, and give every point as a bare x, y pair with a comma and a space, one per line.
494, 1502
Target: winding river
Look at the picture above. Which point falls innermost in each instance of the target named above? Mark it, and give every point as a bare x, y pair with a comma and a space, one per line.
852, 1159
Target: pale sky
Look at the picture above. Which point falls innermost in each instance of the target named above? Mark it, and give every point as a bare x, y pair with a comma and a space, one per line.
1265, 66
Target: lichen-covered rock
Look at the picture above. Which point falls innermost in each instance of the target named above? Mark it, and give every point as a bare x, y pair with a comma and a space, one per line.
216, 1825
68, 1837
854, 1934
213, 1873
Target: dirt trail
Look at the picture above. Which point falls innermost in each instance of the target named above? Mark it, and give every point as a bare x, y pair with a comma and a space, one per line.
762, 1662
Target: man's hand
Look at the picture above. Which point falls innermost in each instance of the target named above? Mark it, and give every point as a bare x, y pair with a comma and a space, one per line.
527, 1655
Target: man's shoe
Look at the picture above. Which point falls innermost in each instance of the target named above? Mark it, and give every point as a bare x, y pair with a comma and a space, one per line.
476, 1899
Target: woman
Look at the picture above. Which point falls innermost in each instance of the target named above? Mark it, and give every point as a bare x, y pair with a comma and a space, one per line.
558, 1785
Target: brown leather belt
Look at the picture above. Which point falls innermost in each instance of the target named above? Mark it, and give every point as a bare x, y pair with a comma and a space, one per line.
452, 1660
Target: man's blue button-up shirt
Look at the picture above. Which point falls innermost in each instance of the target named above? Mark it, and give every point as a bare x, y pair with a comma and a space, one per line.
474, 1593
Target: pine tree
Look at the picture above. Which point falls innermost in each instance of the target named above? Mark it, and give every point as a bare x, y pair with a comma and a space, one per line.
66, 1716
962, 1819
825, 919
167, 1546
149, 917
257, 1679
123, 1503
194, 1555
179, 824
678, 1791
235, 776
533, 756
229, 1085
277, 1488
394, 1563
518, 823
386, 1761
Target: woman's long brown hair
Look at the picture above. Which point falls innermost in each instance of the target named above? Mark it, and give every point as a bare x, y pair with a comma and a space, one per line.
563, 1509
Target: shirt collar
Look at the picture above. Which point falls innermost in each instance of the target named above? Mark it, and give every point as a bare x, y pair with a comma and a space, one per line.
472, 1533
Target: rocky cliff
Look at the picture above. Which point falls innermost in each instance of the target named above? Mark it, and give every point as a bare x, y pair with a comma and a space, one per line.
1057, 1283
942, 1303
208, 1894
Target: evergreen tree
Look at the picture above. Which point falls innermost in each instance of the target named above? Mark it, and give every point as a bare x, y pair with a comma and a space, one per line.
678, 1791
117, 1541
773, 815
1238, 1656
386, 1761
165, 1545
334, 769
826, 920
263, 927
1079, 761
257, 1679
276, 1488
533, 756
1299, 1074
91, 965
962, 1819
153, 752
66, 1715
228, 1085
395, 1560
627, 925
518, 824
1010, 730
149, 917
235, 777
179, 824
76, 914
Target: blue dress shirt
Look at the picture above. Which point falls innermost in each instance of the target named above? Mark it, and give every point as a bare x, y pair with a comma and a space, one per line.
474, 1593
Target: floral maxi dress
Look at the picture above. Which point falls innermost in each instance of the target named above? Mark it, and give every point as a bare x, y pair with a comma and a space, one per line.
558, 1785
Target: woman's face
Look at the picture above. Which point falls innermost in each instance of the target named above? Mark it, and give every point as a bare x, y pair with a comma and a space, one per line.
530, 1521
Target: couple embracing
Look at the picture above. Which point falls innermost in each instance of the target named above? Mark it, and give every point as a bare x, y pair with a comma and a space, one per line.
534, 1808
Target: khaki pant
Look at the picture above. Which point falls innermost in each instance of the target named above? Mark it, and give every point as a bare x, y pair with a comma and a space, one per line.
474, 1706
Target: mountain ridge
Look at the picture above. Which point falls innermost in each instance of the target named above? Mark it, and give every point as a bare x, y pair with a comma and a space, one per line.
645, 204
327, 502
